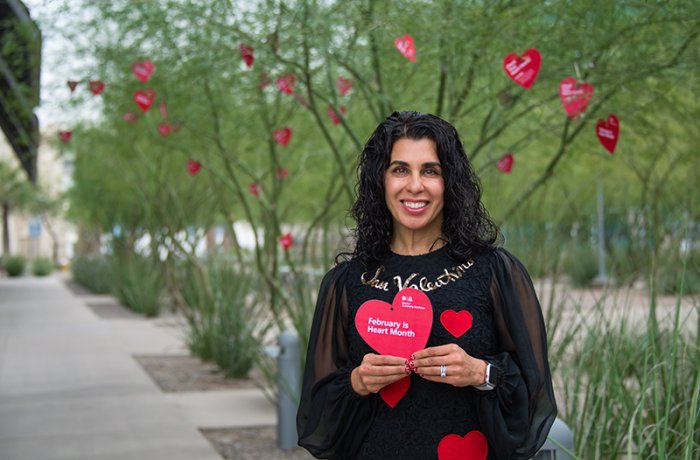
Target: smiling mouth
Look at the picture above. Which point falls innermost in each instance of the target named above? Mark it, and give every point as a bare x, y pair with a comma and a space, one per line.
415, 204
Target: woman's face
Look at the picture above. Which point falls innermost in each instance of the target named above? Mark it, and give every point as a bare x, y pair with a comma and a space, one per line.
414, 187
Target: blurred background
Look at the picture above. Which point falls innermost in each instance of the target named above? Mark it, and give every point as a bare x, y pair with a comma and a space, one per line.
199, 158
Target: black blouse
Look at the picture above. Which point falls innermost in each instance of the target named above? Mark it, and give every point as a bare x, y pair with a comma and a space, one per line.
507, 330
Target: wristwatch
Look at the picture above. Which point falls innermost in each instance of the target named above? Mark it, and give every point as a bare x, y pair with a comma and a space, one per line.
492, 375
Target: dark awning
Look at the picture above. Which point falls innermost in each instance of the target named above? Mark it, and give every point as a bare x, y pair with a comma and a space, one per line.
20, 65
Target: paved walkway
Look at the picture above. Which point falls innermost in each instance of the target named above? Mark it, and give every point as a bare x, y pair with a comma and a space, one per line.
69, 388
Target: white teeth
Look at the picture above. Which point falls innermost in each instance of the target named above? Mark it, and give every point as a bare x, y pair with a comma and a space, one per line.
415, 205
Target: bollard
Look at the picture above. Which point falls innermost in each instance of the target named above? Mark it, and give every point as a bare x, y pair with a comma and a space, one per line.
288, 389
563, 436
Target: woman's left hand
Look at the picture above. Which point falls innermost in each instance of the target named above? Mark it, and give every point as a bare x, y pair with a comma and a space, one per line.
460, 369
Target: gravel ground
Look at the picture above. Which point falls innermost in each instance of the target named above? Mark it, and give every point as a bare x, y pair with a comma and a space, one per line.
258, 443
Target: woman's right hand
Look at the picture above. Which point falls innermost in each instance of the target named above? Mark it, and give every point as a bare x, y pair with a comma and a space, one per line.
377, 371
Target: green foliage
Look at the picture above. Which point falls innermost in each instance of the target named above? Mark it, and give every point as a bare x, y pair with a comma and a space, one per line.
95, 273
42, 266
14, 265
138, 284
680, 273
581, 264
227, 321
629, 392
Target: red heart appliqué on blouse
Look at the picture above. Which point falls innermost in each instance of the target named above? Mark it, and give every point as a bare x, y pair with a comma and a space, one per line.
472, 446
456, 322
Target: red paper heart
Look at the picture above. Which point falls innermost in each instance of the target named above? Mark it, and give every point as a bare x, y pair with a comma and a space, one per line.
96, 87
456, 322
505, 164
523, 71
72, 84
608, 132
130, 117
144, 99
392, 394
286, 240
472, 446
143, 70
282, 173
193, 167
574, 96
397, 329
65, 136
344, 85
286, 83
163, 110
247, 54
164, 129
333, 115
282, 136
254, 189
406, 47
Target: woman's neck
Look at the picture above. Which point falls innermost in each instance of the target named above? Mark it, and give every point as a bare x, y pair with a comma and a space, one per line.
413, 244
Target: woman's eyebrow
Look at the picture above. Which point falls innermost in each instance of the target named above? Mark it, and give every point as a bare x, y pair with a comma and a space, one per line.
430, 164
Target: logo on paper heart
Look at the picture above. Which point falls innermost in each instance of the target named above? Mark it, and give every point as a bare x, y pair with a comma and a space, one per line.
143, 70
282, 136
96, 87
144, 99
574, 96
472, 446
505, 164
608, 132
456, 322
523, 71
406, 47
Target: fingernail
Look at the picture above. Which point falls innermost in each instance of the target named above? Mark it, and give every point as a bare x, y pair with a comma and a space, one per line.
413, 356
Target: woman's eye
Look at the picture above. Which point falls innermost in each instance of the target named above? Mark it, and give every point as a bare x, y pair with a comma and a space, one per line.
431, 172
400, 170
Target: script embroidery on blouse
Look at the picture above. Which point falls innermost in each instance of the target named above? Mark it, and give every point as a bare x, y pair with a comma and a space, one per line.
424, 284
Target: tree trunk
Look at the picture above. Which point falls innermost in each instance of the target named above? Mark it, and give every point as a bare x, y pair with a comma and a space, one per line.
6, 229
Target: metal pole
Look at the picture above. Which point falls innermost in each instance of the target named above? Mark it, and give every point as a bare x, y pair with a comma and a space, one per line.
602, 278
288, 389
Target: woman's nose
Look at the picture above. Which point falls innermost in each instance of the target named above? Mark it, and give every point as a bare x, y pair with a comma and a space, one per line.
415, 183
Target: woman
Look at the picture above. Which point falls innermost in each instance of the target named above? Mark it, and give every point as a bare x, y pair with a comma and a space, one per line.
481, 385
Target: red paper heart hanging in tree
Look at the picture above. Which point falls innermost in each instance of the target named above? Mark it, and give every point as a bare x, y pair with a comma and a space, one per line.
286, 241
406, 47
65, 136
286, 83
505, 164
282, 173
471, 446
608, 132
282, 136
163, 110
164, 129
193, 167
333, 114
144, 99
130, 117
72, 84
96, 87
344, 85
143, 70
575, 96
254, 189
523, 71
247, 54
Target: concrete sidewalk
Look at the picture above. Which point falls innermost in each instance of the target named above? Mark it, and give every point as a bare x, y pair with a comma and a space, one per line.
69, 388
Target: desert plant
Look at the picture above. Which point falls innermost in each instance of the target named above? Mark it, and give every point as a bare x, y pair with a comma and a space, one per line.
94, 273
581, 264
42, 266
138, 284
14, 265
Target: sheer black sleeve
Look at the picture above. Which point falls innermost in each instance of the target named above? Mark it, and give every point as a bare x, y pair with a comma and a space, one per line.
332, 418
517, 415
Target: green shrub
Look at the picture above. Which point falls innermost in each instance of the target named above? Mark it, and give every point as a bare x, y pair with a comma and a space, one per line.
581, 264
14, 265
675, 270
42, 266
94, 273
139, 284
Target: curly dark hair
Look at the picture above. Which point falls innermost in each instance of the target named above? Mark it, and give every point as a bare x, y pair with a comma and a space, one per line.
467, 226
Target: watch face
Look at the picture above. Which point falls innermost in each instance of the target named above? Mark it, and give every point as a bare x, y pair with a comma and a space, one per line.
492, 375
